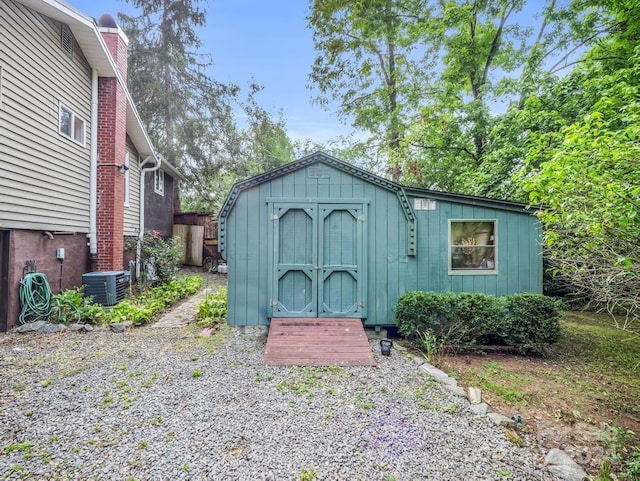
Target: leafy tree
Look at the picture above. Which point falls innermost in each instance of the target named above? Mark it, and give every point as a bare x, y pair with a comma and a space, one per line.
587, 172
190, 116
426, 80
367, 61
167, 74
223, 153
489, 59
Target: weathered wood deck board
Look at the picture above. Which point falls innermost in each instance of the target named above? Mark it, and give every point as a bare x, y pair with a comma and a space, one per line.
317, 342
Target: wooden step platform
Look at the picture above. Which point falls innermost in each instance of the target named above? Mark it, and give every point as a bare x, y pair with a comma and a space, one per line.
317, 342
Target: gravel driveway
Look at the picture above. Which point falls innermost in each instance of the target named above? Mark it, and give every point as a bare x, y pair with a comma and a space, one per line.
164, 404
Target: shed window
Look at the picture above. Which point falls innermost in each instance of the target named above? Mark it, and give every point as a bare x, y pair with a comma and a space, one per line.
472, 246
158, 181
72, 126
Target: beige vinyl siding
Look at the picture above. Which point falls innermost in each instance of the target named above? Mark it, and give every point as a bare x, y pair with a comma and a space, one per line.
132, 211
44, 176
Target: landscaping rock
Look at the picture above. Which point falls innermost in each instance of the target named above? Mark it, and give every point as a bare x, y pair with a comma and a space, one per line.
479, 409
399, 347
418, 360
208, 332
500, 420
474, 395
434, 372
31, 327
80, 327
52, 328
120, 326
455, 390
561, 464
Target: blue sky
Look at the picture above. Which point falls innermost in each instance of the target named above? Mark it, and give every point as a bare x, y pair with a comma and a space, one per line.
267, 40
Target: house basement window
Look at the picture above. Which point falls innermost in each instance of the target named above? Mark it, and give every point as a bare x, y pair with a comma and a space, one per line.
71, 125
158, 181
472, 247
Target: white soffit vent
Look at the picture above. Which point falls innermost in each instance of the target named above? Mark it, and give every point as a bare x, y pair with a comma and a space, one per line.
67, 40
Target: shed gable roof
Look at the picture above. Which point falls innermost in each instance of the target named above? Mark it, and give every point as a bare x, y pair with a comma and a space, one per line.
315, 158
402, 191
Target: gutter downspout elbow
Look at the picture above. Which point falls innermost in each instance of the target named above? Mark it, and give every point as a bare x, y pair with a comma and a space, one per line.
143, 171
93, 169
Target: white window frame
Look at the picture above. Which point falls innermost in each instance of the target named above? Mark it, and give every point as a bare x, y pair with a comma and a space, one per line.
158, 182
77, 126
492, 242
126, 179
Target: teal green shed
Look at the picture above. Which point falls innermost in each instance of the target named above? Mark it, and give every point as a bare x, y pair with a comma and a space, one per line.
322, 238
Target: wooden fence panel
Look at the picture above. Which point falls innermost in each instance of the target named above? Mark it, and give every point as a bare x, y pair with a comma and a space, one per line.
191, 239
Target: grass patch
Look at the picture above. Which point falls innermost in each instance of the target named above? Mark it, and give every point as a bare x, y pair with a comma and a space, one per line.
593, 361
307, 379
588, 380
21, 447
506, 384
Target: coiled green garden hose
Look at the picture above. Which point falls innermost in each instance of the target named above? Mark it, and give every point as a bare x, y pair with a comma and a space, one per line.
35, 298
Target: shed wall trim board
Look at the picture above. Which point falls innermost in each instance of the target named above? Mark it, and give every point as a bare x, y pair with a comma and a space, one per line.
320, 237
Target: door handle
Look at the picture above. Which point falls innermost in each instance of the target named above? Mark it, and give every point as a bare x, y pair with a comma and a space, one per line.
318, 268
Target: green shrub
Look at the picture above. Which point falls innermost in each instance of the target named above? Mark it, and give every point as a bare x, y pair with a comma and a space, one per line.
531, 322
71, 306
416, 312
163, 254
473, 317
526, 322
213, 309
153, 301
457, 320
131, 310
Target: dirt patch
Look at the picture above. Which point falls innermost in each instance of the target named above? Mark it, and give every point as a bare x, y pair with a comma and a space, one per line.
569, 399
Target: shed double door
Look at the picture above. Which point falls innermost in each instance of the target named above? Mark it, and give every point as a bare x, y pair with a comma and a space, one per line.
318, 260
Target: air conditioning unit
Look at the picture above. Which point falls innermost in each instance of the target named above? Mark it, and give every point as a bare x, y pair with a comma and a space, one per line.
107, 287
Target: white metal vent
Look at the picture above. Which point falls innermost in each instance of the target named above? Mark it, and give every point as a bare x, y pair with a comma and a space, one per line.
424, 204
67, 40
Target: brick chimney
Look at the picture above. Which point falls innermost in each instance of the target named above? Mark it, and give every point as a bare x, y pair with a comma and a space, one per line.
112, 139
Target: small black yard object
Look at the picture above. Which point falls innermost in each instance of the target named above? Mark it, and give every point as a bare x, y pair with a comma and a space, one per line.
385, 346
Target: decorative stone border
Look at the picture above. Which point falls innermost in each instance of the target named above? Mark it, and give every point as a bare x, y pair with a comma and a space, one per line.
557, 461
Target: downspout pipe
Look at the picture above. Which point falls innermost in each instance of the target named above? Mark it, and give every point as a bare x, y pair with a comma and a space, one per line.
143, 171
93, 169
